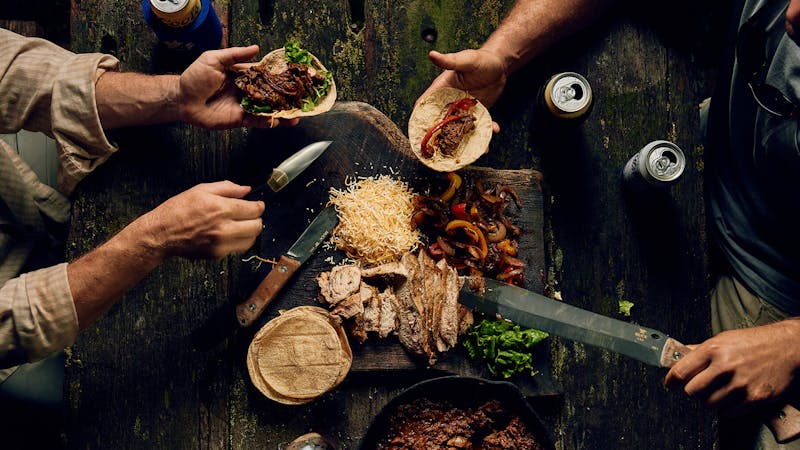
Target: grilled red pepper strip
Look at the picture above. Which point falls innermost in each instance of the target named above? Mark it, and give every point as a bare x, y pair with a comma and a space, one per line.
464, 104
438, 126
459, 211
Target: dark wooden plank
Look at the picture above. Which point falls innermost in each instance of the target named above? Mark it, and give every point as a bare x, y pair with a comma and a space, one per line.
600, 246
162, 393
365, 143
24, 27
607, 246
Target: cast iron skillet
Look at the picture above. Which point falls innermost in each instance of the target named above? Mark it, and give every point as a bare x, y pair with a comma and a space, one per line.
459, 391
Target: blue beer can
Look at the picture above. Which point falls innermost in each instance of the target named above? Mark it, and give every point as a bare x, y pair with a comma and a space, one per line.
190, 25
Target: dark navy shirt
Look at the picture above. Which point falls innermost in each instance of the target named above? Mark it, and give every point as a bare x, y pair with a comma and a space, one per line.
754, 170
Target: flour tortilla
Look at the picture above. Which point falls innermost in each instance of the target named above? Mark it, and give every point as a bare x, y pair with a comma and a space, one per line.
429, 111
276, 63
299, 356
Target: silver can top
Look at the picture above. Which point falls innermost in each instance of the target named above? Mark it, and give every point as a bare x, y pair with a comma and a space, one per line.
570, 92
168, 6
665, 162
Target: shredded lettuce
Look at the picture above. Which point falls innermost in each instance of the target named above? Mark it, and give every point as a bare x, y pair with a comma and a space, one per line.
296, 54
251, 106
506, 348
299, 55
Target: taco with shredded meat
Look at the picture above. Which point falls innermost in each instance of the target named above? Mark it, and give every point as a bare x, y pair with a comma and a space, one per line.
288, 82
449, 129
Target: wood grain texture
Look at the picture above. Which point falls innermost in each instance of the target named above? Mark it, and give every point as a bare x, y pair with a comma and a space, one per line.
137, 379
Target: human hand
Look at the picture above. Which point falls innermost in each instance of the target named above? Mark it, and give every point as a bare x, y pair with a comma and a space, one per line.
208, 97
793, 21
479, 72
740, 371
207, 221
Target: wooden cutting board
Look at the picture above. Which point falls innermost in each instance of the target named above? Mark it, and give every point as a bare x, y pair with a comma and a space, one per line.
365, 143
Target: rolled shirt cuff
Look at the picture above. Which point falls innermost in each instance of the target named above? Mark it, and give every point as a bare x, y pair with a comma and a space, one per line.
43, 317
76, 122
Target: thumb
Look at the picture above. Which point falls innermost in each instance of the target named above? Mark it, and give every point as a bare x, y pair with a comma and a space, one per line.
463, 61
229, 56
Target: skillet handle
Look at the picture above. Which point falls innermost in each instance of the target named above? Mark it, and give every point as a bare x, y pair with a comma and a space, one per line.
784, 423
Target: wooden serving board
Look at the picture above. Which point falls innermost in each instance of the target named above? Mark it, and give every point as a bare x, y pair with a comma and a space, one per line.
365, 143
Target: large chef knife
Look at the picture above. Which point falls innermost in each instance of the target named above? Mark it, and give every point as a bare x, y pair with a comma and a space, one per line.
289, 169
249, 311
647, 345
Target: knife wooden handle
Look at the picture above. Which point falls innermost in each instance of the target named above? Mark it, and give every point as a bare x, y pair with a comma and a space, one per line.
673, 352
784, 424
249, 311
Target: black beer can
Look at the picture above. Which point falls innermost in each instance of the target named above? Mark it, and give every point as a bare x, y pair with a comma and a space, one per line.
657, 164
567, 96
190, 25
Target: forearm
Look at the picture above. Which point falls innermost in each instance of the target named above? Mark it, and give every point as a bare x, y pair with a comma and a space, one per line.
127, 99
99, 278
533, 26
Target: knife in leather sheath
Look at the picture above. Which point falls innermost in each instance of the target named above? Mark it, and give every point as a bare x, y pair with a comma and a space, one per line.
249, 311
647, 345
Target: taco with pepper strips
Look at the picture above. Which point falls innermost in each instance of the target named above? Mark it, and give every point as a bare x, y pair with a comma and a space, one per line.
449, 129
289, 82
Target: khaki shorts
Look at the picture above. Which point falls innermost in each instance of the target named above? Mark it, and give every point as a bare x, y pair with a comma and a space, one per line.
734, 307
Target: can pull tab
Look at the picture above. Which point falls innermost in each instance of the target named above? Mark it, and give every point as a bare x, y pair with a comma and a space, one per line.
665, 163
569, 92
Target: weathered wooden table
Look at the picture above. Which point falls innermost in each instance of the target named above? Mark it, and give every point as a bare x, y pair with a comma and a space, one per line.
141, 377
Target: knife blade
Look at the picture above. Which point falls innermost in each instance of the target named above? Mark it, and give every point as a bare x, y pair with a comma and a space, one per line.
316, 232
647, 345
533, 310
289, 169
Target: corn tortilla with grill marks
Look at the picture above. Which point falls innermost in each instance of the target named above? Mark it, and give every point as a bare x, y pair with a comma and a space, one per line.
299, 356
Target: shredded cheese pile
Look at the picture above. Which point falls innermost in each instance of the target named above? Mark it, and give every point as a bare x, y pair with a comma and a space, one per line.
374, 220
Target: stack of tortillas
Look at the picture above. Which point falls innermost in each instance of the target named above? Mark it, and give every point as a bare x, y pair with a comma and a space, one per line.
299, 355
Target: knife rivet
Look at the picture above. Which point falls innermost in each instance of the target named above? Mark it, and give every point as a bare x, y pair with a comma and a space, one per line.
252, 306
284, 269
677, 355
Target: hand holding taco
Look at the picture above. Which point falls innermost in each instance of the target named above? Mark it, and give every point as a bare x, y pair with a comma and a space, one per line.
289, 82
449, 129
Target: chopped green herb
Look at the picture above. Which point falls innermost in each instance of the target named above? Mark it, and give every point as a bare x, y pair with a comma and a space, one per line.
625, 307
506, 348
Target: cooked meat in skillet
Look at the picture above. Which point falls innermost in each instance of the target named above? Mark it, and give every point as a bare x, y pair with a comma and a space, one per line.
433, 425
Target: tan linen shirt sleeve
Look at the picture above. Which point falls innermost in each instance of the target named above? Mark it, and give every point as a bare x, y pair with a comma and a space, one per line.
44, 318
44, 87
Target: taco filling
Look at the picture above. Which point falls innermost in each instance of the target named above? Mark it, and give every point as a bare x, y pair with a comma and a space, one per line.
446, 135
297, 83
